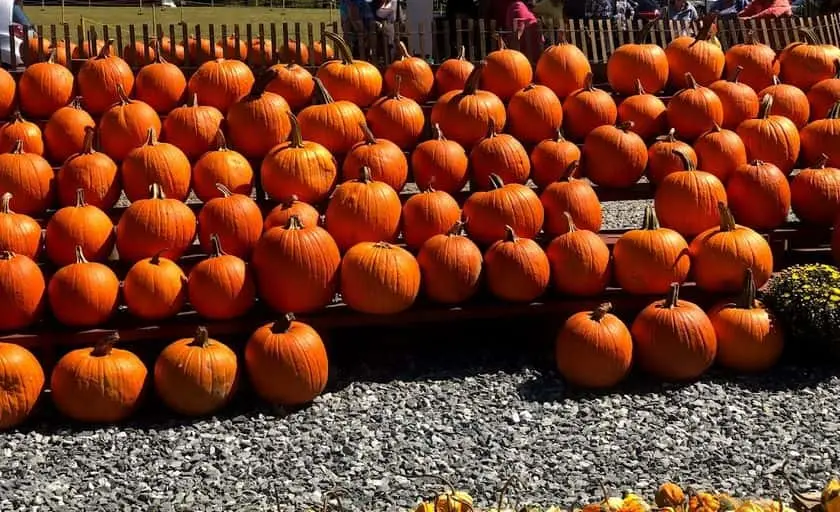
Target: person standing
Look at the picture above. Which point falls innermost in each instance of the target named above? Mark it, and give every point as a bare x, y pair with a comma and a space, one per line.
523, 24
356, 22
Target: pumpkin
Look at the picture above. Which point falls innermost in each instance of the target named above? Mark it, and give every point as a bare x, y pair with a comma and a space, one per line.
84, 293
721, 254
563, 67
517, 269
149, 226
336, 125
551, 158
219, 83
396, 118
202, 50
260, 52
8, 90
221, 166
757, 60
489, 213
156, 162
749, 338
594, 349
802, 64
665, 156
291, 51
815, 193
635, 66
440, 161
416, 75
292, 82
93, 172
759, 195
580, 261
155, 288
233, 47
19, 234
86, 50
160, 84
363, 210
572, 195
694, 110
356, 81
29, 178
534, 113
771, 138
100, 79
824, 94
125, 126
720, 152
450, 266
645, 111
80, 225
172, 51
739, 100
196, 376
34, 49
234, 218
586, 109
297, 267
45, 87
193, 127
287, 362
322, 52
221, 287
506, 72
379, 278
674, 339
451, 74
139, 53
429, 213
669, 494
647, 260
614, 156
464, 115
64, 133
501, 154
789, 102
258, 121
386, 161
698, 55
820, 138
23, 380
291, 206
687, 200
19, 129
22, 290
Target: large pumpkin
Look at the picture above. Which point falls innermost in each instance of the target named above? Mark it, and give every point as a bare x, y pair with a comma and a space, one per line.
441, 162
156, 224
192, 127
788, 101
551, 158
700, 56
563, 67
156, 162
759, 62
498, 153
259, 120
235, 218
45, 87
29, 178
22, 291
221, 287
517, 269
386, 161
490, 213
739, 100
694, 110
804, 63
83, 294
720, 151
820, 137
93, 172
687, 200
65, 131
396, 118
415, 74
770, 138
221, 166
155, 288
19, 234
645, 111
125, 126
586, 109
334, 124
638, 65
572, 195
759, 195
451, 74
100, 78
379, 278
815, 193
23, 380
450, 266
580, 261
507, 71
534, 114
219, 83
160, 84
79, 225
614, 156
348, 79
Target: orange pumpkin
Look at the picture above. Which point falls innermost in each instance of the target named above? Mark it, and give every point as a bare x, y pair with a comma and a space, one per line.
507, 71
759, 195
517, 269
815, 193
396, 118
770, 138
8, 93
490, 213
45, 87
720, 152
563, 67
634, 66
572, 195
221, 287
22, 291
221, 166
156, 162
65, 131
759, 62
91, 171
450, 266
125, 126
534, 113
440, 161
386, 161
804, 63
155, 288
160, 84
336, 125
645, 111
788, 101
149, 226
356, 81
19, 234
83, 294
694, 110
427, 214
29, 178
452, 73
379, 278
19, 129
292, 82
258, 121
824, 94
234, 218
219, 83
580, 261
687, 200
414, 73
739, 100
498, 153
292, 206
80, 225
100, 79
193, 128
24, 381
614, 156
586, 109
820, 138
665, 156
700, 55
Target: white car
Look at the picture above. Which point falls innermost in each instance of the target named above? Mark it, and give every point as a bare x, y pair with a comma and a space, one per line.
18, 23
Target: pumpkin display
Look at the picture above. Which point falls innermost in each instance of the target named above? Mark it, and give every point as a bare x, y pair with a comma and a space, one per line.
222, 166
580, 261
517, 269
29, 178
721, 254
465, 114
64, 133
452, 73
645, 111
291, 51
291, 206
594, 349
23, 380
196, 376
19, 129
771, 138
172, 51
260, 52
700, 56
789, 102
356, 81
804, 63
416, 75
694, 110
234, 218
551, 158
334, 124
614, 155
739, 100
563, 67
758, 62
155, 288
820, 138
635, 66
759, 195
674, 339
386, 161
193, 127
160, 84
450, 266
221, 287
824, 94
665, 156
45, 87
363, 210
149, 226
505, 204
440, 161
100, 79
815, 193
720, 151
258, 121
574, 196
749, 339
220, 82
427, 214
396, 118
139, 53
233, 47
506, 72
81, 225
8, 93
586, 109
93, 172
84, 293
19, 234
297, 267
379, 278
498, 153
647, 260
292, 82
22, 291
125, 126
534, 113
287, 362
156, 162
201, 50
687, 200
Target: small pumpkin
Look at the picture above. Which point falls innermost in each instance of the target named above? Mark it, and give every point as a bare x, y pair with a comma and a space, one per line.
93, 172
155, 288
45, 87
126, 126
160, 84
759, 62
415, 73
739, 100
517, 269
694, 110
292, 206
498, 153
586, 109
149, 226
386, 161
294, 83
450, 266
645, 111
534, 113
29, 178
687, 200
234, 218
19, 129
379, 278
83, 294
258, 121
759, 195
771, 138
334, 124
665, 156
824, 94
348, 79
815, 193
820, 138
100, 78
224, 166
510, 204
156, 162
429, 213
440, 161
23, 380
81, 225
221, 287
563, 67
670, 495
396, 117
193, 128
65, 131
220, 82
572, 195
22, 291
551, 158
788, 101
452, 73
580, 261
19, 234
507, 71
720, 151
615, 156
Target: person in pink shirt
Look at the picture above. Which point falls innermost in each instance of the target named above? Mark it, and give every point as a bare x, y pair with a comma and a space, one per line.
766, 9
521, 20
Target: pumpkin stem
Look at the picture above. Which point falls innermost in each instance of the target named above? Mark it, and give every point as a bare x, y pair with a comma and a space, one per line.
736, 76
17, 149
776, 80
437, 133
344, 52
5, 202
260, 84
192, 101
77, 103
496, 181
156, 47
104, 346
462, 53
294, 222
221, 141
834, 111
750, 37
87, 145
364, 175
491, 129
625, 126
672, 300
395, 93
124, 99
510, 234
201, 338
690, 81
105, 52
503, 491
221, 187
501, 42
51, 56
809, 35
216, 246
706, 30
403, 50
640, 89
646, 29
716, 128
558, 135
474, 78
80, 254
668, 137
283, 324
151, 137
570, 221
599, 312
17, 117
370, 138
290, 201
382, 245
6, 255
571, 171
295, 136
747, 299
727, 221
156, 192
688, 165
155, 259
651, 221
587, 82
457, 229
322, 96
80, 198
766, 105
821, 163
